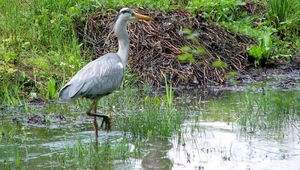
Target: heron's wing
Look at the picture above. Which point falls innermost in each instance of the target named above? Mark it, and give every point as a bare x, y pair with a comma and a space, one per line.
99, 77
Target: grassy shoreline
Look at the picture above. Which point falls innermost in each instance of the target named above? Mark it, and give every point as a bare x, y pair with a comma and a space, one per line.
40, 51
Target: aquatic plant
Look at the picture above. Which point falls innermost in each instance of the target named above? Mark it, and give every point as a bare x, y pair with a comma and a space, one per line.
17, 156
169, 97
152, 120
268, 110
85, 155
137, 113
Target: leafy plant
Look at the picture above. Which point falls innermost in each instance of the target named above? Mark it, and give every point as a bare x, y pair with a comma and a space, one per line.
188, 52
130, 79
219, 64
51, 88
261, 52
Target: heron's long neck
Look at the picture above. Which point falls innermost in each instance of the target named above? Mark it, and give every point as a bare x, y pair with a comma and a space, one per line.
124, 42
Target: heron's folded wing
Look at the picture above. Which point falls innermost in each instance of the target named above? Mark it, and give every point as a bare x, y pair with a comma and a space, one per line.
99, 77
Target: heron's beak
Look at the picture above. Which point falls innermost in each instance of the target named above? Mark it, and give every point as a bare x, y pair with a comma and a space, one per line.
142, 17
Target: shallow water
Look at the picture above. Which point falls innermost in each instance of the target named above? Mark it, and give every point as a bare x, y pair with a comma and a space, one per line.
218, 146
210, 138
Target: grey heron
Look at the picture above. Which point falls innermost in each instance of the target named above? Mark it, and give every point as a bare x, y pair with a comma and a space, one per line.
103, 75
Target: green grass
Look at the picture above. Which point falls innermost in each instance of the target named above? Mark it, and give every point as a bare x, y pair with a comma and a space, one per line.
84, 155
37, 39
151, 121
268, 111
283, 12
39, 48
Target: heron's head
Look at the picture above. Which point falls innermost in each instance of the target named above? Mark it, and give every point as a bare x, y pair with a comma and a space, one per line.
128, 15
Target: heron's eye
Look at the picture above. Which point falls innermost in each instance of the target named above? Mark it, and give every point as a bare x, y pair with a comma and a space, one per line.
127, 11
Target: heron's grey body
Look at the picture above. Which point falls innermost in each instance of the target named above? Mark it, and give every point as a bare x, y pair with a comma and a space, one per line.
103, 75
98, 78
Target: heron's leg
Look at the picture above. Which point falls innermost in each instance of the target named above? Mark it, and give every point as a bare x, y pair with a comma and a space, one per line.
96, 127
91, 107
95, 119
94, 105
106, 118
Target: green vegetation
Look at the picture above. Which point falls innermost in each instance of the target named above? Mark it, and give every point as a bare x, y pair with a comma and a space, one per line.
39, 48
188, 52
263, 50
269, 111
39, 52
82, 154
274, 28
169, 93
37, 42
283, 13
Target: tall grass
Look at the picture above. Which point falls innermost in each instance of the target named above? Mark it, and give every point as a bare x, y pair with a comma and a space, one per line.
268, 110
169, 97
283, 11
284, 16
34, 35
39, 43
153, 116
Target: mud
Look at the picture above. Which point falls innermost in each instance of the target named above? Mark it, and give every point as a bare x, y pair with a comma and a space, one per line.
39, 119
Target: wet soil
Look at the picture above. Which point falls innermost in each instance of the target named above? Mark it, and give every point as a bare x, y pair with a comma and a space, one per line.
39, 119
282, 78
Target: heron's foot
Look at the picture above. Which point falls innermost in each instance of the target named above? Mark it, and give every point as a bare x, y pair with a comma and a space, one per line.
106, 120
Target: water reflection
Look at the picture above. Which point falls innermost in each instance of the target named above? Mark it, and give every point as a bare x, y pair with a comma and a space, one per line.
217, 146
157, 157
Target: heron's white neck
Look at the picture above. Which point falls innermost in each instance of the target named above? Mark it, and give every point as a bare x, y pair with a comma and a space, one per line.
123, 40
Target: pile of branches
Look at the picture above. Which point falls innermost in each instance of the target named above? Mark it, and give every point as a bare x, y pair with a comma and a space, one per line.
156, 45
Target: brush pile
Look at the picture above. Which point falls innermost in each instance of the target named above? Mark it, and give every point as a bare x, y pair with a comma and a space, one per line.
156, 45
